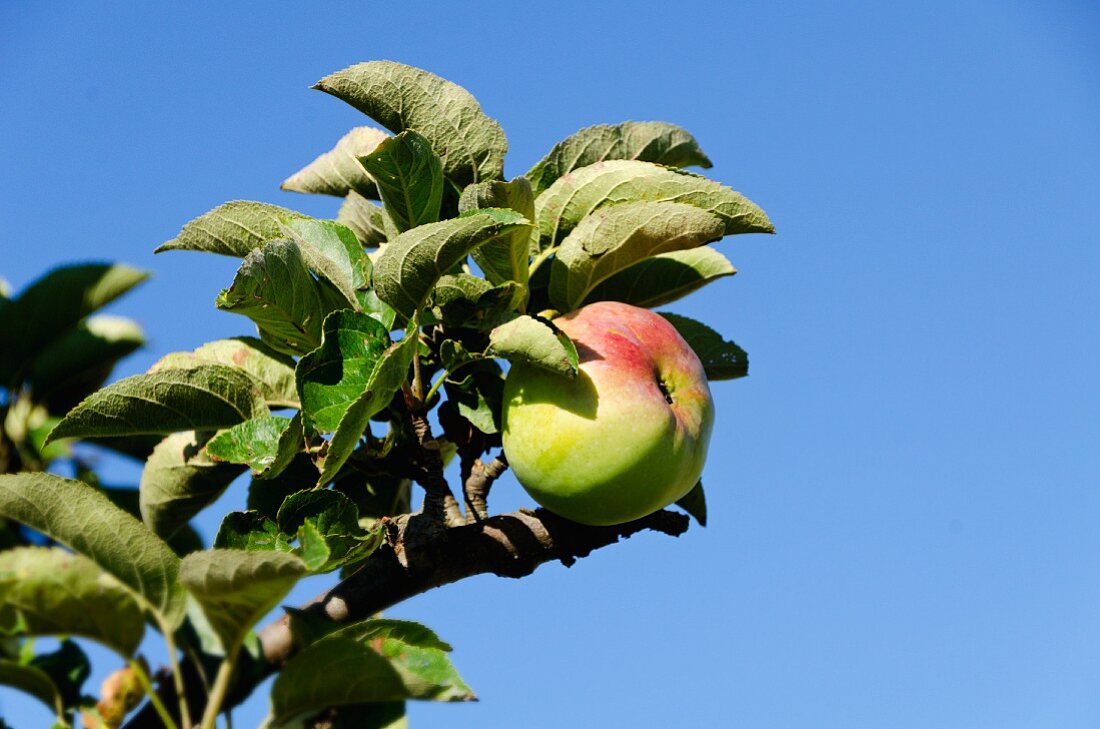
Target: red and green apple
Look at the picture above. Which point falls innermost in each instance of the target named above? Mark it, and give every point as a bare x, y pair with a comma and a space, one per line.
628, 436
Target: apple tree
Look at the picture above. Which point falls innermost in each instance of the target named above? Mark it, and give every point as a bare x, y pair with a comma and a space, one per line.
383, 342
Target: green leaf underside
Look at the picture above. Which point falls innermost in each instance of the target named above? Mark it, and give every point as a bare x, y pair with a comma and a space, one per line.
179, 480
274, 288
237, 588
52, 305
333, 252
471, 302
335, 374
48, 591
695, 504
380, 663
338, 172
663, 278
612, 239
535, 342
386, 378
409, 177
571, 198
400, 97
80, 517
233, 229
658, 142
272, 371
206, 397
722, 359
503, 259
265, 444
409, 265
364, 218
32, 681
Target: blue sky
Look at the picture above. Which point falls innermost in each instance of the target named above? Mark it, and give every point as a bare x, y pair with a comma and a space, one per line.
903, 494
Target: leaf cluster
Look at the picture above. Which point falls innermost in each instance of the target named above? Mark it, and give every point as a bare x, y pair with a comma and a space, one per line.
436, 272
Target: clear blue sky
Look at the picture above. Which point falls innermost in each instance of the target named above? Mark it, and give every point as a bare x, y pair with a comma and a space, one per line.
904, 493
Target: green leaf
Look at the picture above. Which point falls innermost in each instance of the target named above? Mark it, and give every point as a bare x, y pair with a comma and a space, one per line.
234, 229
204, 398
67, 667
332, 376
179, 480
48, 591
327, 525
251, 531
364, 218
401, 97
332, 251
469, 302
503, 259
32, 681
272, 371
274, 289
722, 360
338, 172
265, 444
376, 666
410, 265
237, 588
477, 397
659, 142
574, 196
80, 517
80, 361
537, 342
695, 504
48, 308
663, 278
614, 238
387, 375
409, 177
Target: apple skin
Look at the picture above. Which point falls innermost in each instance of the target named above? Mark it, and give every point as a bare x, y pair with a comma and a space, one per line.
609, 447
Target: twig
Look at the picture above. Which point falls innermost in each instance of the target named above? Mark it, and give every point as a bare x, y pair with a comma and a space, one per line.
417, 558
477, 479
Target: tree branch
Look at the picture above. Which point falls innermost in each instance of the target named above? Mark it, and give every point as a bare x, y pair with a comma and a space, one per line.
477, 479
418, 557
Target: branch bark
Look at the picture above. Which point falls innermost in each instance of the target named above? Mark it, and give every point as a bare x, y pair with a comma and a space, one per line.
418, 557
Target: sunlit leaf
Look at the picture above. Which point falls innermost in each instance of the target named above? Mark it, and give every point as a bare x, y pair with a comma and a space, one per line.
364, 218
409, 177
536, 342
401, 97
265, 444
659, 142
571, 198
663, 278
274, 288
409, 265
612, 239
332, 251
233, 229
237, 588
48, 591
506, 258
338, 172
335, 374
179, 480
80, 517
386, 377
207, 397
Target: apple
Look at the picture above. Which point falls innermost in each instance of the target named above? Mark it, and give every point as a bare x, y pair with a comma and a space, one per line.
628, 436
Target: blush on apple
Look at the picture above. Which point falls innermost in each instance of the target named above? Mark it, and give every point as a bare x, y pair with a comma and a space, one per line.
625, 438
